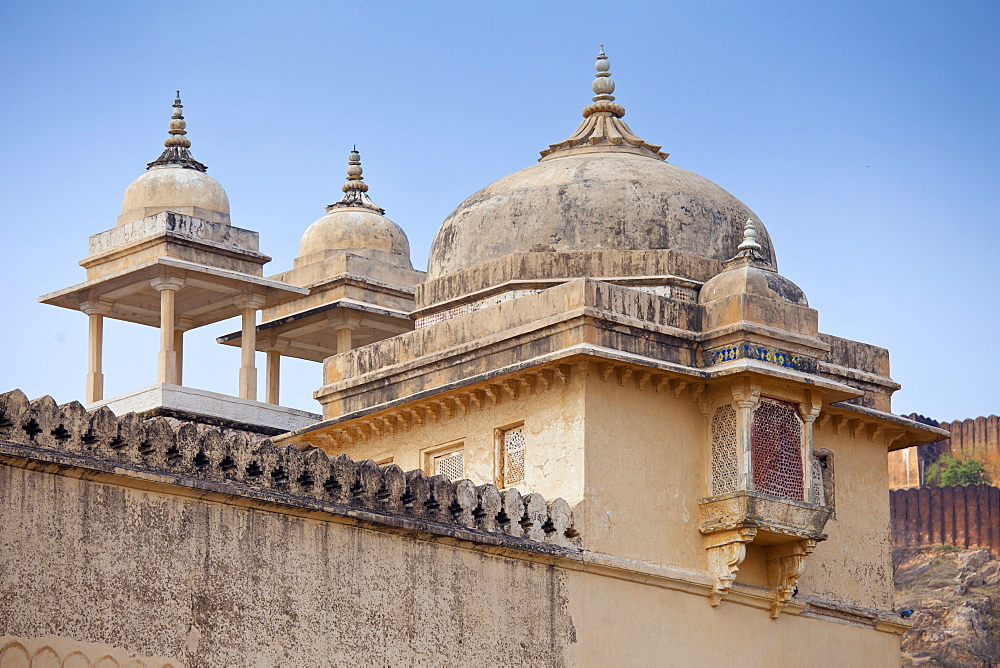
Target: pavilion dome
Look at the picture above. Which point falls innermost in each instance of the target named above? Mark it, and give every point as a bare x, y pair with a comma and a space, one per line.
603, 188
750, 272
357, 225
175, 182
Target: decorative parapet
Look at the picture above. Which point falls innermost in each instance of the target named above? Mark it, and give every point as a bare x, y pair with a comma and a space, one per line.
234, 466
50, 651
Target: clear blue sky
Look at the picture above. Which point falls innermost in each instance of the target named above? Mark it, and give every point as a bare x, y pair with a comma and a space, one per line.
866, 135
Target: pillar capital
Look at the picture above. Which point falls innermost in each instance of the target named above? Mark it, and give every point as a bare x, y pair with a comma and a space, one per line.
811, 407
747, 395
96, 306
167, 282
254, 300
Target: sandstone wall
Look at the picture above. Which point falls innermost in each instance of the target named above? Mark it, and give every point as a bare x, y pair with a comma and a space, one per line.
966, 516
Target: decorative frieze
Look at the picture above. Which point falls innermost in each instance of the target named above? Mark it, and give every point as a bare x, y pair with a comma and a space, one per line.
761, 353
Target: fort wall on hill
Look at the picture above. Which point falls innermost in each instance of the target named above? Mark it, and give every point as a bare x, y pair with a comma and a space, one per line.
972, 438
961, 516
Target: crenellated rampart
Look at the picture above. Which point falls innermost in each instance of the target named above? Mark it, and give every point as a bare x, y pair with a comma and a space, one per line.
70, 436
977, 438
962, 516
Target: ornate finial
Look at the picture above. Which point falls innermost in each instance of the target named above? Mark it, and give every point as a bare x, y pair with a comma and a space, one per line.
603, 86
750, 248
602, 128
749, 237
177, 144
355, 190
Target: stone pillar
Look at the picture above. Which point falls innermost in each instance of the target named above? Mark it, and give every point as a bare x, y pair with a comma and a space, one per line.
273, 376
344, 336
95, 311
248, 348
166, 368
747, 397
809, 410
179, 353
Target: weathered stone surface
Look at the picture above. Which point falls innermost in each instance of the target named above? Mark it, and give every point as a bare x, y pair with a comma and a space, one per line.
964, 516
597, 201
221, 584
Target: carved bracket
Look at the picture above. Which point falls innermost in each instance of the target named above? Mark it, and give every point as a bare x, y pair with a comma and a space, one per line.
785, 565
726, 551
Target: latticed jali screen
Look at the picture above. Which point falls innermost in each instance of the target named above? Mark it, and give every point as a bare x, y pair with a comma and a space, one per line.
725, 461
451, 465
776, 450
818, 495
513, 456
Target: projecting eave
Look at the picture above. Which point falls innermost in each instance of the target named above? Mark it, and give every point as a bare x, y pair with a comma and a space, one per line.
900, 432
206, 294
308, 334
831, 390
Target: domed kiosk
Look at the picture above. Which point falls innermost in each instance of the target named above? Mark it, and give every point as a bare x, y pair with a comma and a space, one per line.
175, 262
355, 263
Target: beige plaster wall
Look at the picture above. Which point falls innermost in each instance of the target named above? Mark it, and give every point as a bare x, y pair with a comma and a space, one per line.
646, 467
854, 564
205, 583
648, 462
553, 421
614, 627
634, 462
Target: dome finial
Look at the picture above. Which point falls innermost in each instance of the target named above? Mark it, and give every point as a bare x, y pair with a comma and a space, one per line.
750, 248
603, 86
355, 190
177, 145
602, 128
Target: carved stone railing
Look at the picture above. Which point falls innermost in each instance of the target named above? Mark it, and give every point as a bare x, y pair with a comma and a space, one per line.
287, 474
787, 530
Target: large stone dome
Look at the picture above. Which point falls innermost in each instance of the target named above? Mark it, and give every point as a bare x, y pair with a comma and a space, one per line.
594, 200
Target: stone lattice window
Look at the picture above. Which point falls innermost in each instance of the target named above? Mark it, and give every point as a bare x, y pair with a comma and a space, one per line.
450, 464
725, 459
776, 450
513, 456
816, 484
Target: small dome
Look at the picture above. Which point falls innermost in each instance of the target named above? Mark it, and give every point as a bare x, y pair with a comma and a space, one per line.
175, 188
754, 280
175, 182
356, 224
749, 272
355, 230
